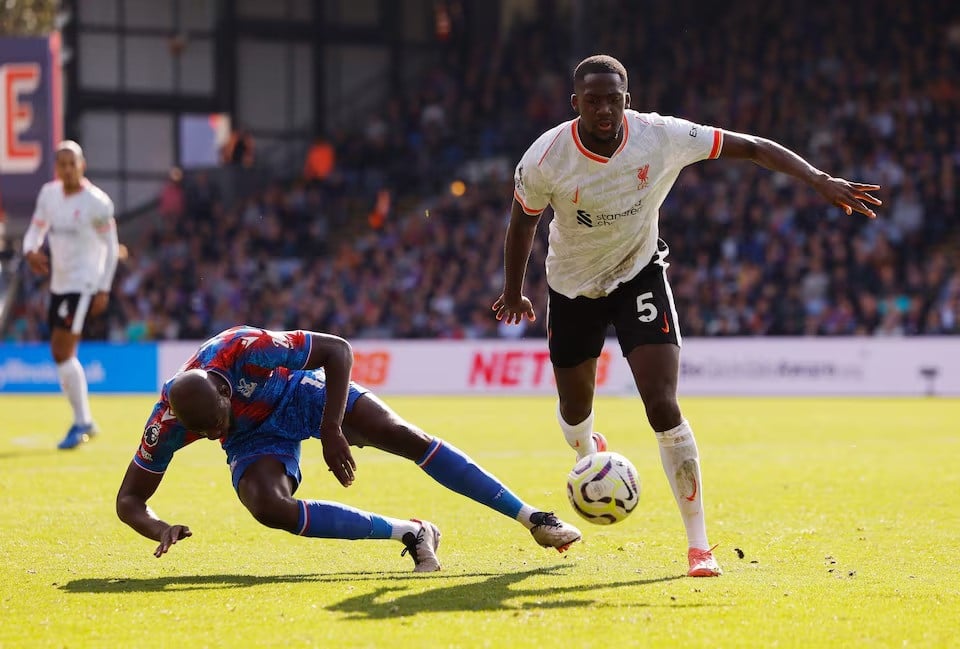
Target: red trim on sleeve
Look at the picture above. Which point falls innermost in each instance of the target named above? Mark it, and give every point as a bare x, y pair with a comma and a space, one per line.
523, 205
717, 144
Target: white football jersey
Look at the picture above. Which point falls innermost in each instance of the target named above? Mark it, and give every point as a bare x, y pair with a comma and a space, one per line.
83, 237
604, 229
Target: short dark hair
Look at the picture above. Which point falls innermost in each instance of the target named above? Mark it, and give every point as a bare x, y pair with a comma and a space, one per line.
602, 64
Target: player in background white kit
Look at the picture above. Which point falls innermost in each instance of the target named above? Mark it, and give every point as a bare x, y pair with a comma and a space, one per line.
77, 217
606, 174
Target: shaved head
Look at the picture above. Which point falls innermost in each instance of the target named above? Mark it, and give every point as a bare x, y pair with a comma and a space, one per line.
201, 402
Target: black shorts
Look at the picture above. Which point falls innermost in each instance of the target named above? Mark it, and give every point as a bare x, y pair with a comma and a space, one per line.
641, 311
68, 311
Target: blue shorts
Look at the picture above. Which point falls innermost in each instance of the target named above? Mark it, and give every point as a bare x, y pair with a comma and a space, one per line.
280, 435
291, 463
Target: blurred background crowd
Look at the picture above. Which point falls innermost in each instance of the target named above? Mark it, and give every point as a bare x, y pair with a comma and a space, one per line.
395, 227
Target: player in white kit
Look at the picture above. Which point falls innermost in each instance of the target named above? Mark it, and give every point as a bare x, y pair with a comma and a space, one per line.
77, 218
606, 174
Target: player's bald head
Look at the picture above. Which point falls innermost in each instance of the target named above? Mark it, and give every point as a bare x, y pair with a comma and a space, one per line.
195, 398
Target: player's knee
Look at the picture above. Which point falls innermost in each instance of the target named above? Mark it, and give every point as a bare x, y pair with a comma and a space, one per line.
60, 354
411, 442
663, 411
272, 510
575, 411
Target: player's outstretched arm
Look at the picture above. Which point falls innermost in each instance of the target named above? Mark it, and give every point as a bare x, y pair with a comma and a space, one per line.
512, 305
137, 487
849, 196
335, 356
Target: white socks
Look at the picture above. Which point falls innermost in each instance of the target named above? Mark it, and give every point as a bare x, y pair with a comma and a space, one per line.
524, 516
681, 463
579, 436
74, 384
401, 527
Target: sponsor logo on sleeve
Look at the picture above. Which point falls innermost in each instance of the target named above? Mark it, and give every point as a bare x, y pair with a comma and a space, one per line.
151, 436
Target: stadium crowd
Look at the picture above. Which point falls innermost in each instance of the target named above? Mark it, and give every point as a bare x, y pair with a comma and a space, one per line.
867, 91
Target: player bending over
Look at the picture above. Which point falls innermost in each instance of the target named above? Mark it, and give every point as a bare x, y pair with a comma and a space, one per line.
263, 392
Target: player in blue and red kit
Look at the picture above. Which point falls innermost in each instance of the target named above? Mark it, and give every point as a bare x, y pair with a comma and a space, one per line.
261, 393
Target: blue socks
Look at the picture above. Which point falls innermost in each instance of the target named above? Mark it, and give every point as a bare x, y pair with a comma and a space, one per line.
327, 520
443, 462
452, 468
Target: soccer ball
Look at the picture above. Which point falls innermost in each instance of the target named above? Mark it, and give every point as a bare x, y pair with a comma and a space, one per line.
603, 488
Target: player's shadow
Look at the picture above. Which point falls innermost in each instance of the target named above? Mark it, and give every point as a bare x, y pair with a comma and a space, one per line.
492, 594
185, 583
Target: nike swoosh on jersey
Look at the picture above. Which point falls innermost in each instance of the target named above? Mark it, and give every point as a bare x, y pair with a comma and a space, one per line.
666, 325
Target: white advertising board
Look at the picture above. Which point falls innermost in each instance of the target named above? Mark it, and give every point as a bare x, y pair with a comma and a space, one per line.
722, 367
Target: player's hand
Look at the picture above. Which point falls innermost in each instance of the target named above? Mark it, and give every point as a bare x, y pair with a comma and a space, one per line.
38, 262
848, 196
170, 536
99, 303
337, 455
513, 311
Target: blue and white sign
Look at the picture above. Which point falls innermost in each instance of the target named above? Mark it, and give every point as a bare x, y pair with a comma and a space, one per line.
109, 368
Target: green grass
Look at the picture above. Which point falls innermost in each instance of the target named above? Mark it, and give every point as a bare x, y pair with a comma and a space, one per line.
846, 512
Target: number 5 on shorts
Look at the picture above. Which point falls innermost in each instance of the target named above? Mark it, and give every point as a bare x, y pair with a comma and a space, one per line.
646, 311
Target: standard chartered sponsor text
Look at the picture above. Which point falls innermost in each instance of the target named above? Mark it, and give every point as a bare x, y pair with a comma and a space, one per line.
753, 369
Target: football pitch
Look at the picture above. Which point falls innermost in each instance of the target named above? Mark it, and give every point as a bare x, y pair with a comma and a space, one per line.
837, 523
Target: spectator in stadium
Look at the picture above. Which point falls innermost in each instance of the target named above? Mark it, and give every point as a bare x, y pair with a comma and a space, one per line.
261, 393
606, 174
77, 218
238, 150
745, 236
171, 196
321, 160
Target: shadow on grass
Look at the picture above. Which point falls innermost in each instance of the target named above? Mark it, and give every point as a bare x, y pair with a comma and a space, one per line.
214, 582
491, 594
417, 594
